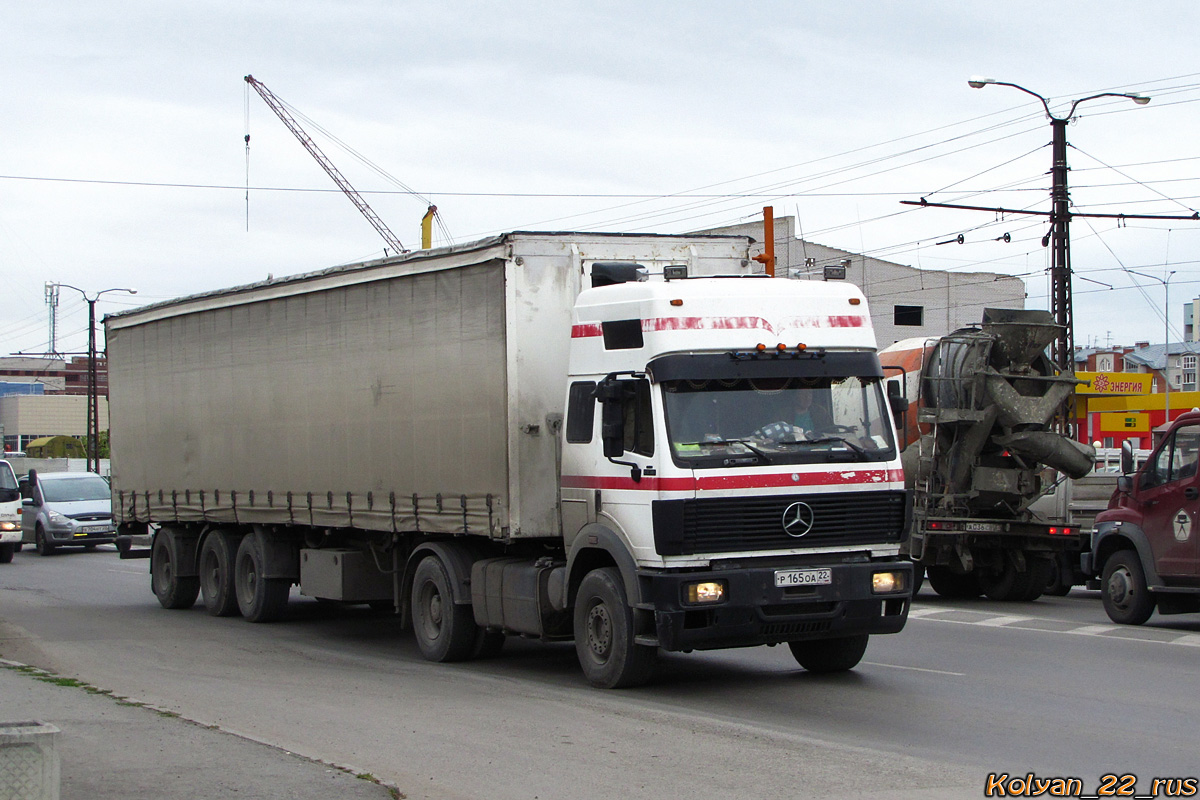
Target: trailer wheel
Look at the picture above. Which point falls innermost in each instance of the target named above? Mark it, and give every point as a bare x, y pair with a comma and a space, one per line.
216, 574
172, 590
43, 544
953, 585
1127, 601
445, 631
259, 599
604, 634
6, 552
830, 655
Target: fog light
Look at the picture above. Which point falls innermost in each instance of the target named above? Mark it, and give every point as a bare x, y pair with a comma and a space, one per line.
706, 592
886, 582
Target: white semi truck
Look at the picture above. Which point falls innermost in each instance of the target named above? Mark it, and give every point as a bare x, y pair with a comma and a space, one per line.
597, 437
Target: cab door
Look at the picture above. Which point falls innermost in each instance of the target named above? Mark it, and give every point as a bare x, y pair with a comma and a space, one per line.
1169, 491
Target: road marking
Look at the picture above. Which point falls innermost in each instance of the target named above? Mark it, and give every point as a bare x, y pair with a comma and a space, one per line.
987, 619
916, 669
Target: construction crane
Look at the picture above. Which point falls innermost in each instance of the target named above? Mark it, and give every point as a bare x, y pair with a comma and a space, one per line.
277, 106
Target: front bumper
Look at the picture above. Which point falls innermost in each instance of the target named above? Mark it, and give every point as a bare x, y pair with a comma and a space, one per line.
82, 534
755, 611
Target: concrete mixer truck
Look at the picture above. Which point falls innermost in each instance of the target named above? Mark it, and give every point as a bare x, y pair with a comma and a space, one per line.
980, 449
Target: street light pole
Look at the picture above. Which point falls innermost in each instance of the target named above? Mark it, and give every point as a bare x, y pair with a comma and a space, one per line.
93, 401
1166, 282
1062, 351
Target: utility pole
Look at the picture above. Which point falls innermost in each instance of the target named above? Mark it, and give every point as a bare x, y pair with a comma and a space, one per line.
93, 395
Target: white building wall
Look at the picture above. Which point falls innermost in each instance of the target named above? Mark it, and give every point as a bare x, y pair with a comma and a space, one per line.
948, 300
48, 415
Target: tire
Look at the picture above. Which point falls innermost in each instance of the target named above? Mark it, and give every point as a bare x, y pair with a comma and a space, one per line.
259, 599
445, 631
953, 585
830, 655
172, 591
1011, 585
6, 552
604, 634
217, 555
1127, 600
1041, 570
918, 578
43, 544
488, 644
1059, 584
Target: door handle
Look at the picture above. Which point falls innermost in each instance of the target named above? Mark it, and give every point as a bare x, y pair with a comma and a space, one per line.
1191, 493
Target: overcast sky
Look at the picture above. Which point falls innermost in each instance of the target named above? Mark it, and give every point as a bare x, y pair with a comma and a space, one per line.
124, 161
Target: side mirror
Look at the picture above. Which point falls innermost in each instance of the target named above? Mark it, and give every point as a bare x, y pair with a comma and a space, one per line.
1125, 484
1126, 457
28, 501
896, 398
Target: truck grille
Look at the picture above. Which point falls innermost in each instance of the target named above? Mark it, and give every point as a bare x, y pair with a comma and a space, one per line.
734, 524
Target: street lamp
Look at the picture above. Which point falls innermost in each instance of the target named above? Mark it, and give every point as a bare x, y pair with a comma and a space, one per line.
1166, 282
93, 405
1060, 269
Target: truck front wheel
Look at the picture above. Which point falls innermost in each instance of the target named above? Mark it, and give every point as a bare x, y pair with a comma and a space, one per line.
604, 634
172, 590
830, 655
1127, 601
445, 631
6, 553
259, 599
216, 574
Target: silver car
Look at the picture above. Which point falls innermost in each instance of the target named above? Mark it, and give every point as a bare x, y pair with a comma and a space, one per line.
66, 509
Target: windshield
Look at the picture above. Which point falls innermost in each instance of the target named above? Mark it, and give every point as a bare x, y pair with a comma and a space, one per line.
728, 423
66, 490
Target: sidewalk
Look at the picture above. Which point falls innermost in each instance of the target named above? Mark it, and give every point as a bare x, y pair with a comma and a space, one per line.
112, 750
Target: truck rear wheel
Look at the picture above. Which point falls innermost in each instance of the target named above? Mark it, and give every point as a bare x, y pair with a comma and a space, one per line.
953, 585
1011, 584
830, 655
216, 574
604, 634
1127, 600
172, 590
259, 599
445, 631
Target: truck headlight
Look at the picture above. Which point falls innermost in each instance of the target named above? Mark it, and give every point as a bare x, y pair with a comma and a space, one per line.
9, 526
705, 592
887, 582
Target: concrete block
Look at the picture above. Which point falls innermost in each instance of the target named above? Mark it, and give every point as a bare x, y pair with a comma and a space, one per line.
29, 765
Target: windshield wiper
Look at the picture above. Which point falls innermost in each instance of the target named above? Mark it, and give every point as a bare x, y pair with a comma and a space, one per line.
723, 442
830, 440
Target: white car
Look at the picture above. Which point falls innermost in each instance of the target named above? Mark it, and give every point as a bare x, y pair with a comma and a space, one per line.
67, 509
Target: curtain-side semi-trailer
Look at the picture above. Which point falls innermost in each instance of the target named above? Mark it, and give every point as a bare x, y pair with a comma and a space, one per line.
605, 438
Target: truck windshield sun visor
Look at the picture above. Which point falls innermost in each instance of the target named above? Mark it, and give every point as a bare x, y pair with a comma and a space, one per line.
714, 366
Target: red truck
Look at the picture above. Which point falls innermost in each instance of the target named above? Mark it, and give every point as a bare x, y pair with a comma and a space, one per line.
1146, 546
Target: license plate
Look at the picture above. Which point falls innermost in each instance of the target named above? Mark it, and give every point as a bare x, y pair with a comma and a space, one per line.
982, 527
94, 529
803, 577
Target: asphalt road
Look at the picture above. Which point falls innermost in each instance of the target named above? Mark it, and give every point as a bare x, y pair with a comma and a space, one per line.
968, 689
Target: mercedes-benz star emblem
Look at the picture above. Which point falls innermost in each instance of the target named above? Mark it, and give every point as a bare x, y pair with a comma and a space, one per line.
797, 519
